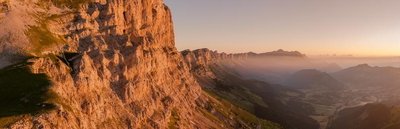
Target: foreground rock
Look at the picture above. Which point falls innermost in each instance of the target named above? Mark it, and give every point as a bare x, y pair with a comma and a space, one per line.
126, 73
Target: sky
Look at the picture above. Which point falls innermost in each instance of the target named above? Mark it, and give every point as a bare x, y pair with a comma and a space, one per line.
314, 27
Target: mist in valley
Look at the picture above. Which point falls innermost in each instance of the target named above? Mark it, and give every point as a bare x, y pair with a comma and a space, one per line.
330, 86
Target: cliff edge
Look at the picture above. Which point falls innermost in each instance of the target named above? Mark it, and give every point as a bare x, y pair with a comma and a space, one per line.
111, 64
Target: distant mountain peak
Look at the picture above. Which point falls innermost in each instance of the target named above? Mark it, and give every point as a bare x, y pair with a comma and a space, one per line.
360, 67
363, 65
277, 53
281, 52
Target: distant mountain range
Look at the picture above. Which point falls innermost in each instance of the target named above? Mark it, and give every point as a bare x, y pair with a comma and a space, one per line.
282, 52
279, 52
210, 54
365, 75
286, 88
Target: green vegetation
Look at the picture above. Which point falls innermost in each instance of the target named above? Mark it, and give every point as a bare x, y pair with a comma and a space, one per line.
370, 116
22, 92
41, 38
395, 119
211, 116
225, 108
234, 89
72, 4
234, 99
174, 119
261, 99
2, 10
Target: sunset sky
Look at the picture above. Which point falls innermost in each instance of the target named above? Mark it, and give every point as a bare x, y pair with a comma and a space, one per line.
314, 27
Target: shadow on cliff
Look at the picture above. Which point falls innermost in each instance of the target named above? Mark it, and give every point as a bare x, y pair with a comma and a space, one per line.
23, 92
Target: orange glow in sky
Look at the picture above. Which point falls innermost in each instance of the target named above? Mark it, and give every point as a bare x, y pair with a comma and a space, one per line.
314, 27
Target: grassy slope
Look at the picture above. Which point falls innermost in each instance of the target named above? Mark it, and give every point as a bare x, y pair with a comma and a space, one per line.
230, 87
226, 109
370, 116
22, 92
40, 36
260, 99
174, 119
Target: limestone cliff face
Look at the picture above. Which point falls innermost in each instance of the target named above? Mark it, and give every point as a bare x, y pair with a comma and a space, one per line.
199, 60
126, 73
112, 64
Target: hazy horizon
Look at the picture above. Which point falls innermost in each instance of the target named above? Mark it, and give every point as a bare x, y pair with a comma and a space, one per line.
313, 27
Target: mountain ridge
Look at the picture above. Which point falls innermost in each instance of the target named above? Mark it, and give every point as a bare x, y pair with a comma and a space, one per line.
365, 75
312, 79
215, 74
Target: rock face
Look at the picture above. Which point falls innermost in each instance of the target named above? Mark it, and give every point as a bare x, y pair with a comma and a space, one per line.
127, 72
198, 60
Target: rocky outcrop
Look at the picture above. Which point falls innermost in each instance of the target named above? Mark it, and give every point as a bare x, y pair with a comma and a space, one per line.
199, 60
206, 55
127, 72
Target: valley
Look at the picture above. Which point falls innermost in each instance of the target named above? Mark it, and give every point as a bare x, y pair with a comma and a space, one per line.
305, 99
114, 64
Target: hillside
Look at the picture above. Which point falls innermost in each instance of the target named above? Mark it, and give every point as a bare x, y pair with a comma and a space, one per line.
370, 116
364, 76
313, 79
268, 101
